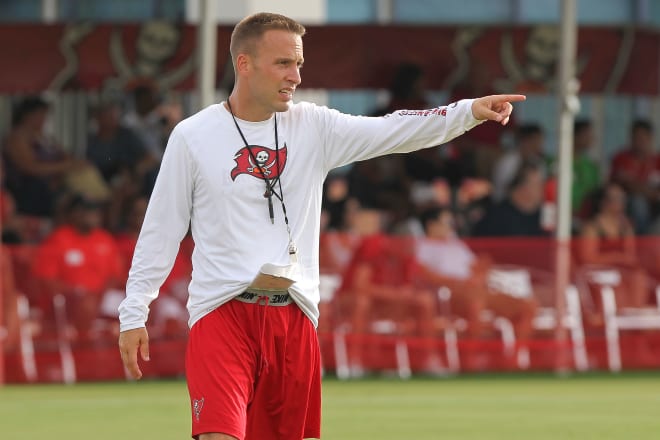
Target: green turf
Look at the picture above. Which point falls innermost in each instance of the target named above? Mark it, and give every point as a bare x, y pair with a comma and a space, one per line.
493, 407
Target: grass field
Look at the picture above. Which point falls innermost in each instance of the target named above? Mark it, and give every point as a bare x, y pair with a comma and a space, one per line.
487, 407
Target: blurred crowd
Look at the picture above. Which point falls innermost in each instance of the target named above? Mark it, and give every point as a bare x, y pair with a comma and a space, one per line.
498, 181
70, 223
81, 214
440, 203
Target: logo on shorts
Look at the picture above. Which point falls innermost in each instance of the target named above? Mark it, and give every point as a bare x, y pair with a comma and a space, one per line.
197, 405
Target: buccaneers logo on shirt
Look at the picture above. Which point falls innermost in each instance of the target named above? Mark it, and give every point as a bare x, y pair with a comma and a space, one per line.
264, 163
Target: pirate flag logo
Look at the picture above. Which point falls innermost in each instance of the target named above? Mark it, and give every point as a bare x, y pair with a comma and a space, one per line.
197, 405
264, 164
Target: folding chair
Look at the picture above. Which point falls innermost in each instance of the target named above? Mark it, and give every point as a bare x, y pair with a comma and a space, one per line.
382, 327
26, 342
378, 327
616, 318
521, 281
63, 343
386, 327
30, 340
450, 333
546, 319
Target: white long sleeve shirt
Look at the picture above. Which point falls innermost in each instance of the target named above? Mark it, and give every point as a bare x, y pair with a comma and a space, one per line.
207, 181
450, 257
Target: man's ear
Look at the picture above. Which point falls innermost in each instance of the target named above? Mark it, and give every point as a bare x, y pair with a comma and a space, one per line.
243, 63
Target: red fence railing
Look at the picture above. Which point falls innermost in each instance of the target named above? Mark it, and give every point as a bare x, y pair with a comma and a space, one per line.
382, 309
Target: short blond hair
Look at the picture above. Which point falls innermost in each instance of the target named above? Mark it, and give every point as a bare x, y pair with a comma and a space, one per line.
251, 28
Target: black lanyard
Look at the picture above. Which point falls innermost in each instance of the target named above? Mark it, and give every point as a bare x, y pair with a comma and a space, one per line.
270, 185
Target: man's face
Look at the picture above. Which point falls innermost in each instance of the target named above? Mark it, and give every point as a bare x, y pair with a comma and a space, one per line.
109, 117
584, 139
86, 218
615, 200
443, 227
533, 145
37, 119
533, 188
274, 70
642, 141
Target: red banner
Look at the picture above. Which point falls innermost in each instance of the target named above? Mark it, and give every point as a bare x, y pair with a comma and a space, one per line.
94, 57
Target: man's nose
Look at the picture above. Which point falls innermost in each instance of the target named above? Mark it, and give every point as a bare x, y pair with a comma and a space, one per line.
294, 75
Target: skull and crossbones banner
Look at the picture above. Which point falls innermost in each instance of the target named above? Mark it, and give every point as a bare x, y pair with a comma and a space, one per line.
87, 56
266, 164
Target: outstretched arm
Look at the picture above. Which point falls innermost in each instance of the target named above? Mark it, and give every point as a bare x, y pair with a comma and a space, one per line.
349, 138
496, 108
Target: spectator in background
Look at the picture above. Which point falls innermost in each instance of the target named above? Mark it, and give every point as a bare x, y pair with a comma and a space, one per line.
36, 165
383, 183
121, 157
117, 151
379, 183
81, 261
586, 178
520, 213
637, 170
608, 240
336, 202
473, 198
151, 120
427, 165
379, 284
586, 172
654, 229
12, 230
406, 90
336, 250
529, 148
445, 260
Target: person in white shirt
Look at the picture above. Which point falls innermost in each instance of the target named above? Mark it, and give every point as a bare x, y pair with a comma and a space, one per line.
445, 260
246, 175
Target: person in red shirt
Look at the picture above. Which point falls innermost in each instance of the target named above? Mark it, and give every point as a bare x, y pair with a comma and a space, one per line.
380, 284
609, 243
81, 261
637, 170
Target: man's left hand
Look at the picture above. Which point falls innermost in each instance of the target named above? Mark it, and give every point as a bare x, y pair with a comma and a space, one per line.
496, 108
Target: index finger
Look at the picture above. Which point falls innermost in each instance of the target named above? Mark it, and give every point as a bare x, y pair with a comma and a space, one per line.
509, 98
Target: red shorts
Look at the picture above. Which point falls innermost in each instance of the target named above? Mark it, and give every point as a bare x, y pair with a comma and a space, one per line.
254, 372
